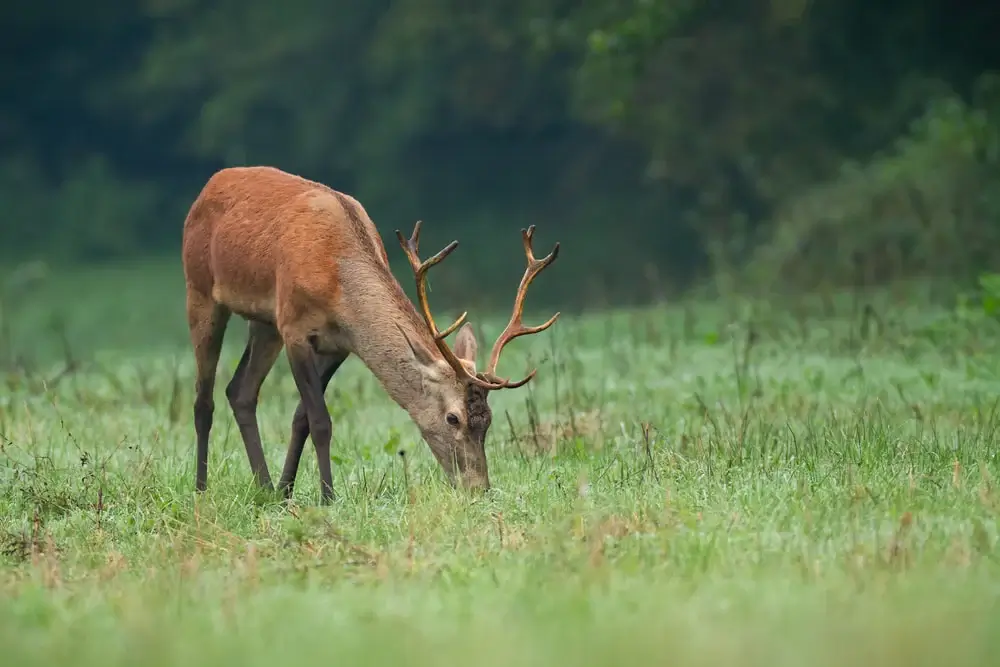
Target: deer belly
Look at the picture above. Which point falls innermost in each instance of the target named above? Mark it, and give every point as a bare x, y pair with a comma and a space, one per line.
251, 305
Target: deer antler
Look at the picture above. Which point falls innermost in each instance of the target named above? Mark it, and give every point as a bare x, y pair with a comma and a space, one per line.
411, 248
515, 327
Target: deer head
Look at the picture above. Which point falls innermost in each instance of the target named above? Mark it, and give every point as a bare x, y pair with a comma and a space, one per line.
454, 414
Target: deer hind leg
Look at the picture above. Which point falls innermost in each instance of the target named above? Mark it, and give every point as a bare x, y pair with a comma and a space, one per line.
207, 323
263, 346
327, 365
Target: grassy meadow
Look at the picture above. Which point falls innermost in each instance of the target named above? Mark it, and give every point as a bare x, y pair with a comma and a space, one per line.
741, 483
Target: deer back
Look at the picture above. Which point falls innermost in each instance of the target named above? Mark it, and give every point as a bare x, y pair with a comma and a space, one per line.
254, 233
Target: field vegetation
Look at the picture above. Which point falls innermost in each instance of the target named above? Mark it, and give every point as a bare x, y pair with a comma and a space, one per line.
704, 482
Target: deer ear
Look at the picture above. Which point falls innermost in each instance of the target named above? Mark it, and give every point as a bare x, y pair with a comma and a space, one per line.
420, 353
466, 345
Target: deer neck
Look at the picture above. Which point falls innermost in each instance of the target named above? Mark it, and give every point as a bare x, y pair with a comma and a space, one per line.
378, 309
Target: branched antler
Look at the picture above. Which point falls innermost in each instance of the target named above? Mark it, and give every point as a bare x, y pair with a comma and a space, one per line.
411, 247
515, 327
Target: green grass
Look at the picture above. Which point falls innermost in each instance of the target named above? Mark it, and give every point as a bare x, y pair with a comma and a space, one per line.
687, 485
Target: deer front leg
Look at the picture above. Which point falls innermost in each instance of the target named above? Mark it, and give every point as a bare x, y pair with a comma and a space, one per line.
310, 386
327, 366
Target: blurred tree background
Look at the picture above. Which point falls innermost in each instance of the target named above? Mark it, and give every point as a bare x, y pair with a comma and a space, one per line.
779, 143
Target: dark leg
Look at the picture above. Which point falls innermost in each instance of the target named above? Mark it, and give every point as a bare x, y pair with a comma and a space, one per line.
307, 379
263, 346
207, 322
326, 366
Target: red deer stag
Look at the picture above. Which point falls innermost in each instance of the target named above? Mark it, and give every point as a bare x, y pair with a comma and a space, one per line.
305, 266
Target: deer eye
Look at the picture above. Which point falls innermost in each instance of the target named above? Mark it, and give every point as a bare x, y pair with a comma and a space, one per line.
452, 418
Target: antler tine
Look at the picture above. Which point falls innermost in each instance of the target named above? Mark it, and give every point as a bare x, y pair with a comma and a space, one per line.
454, 327
411, 247
515, 327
